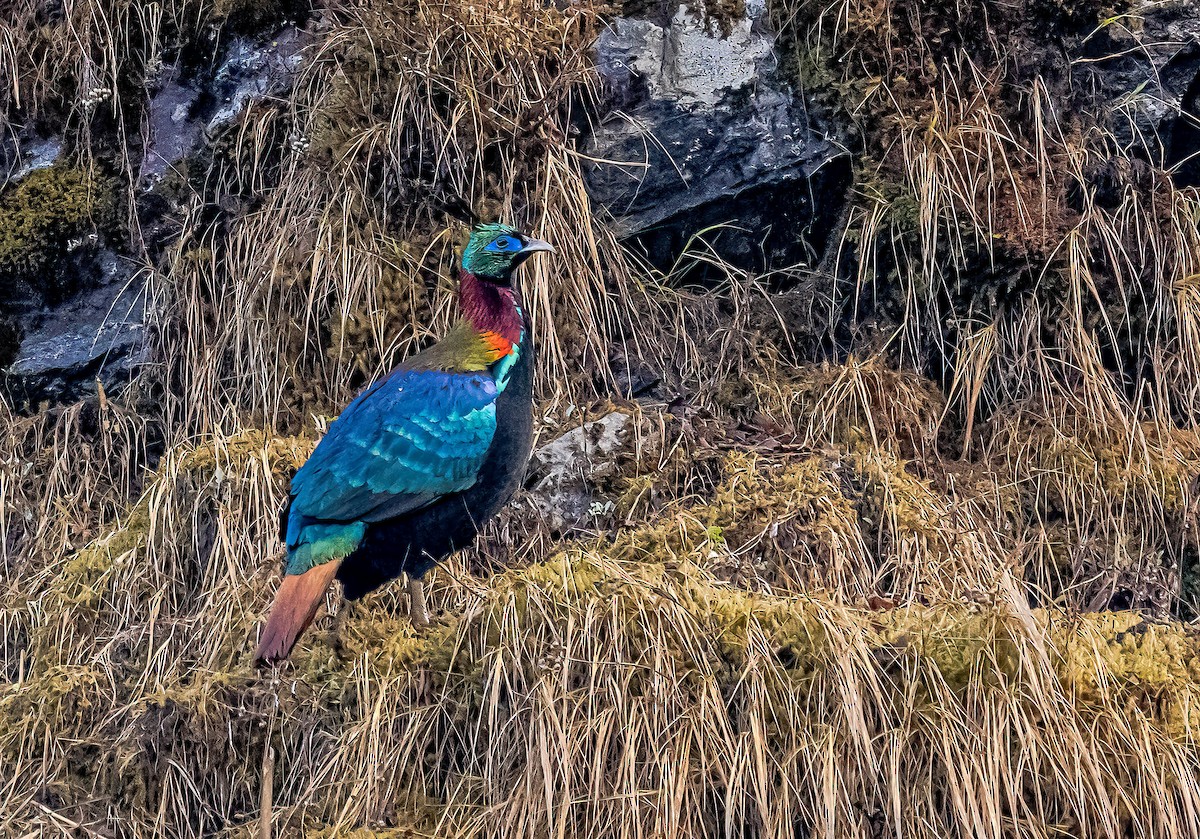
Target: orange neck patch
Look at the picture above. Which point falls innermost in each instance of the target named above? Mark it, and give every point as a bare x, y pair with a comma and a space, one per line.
497, 345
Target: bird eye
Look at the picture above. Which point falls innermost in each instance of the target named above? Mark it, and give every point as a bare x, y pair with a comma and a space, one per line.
504, 243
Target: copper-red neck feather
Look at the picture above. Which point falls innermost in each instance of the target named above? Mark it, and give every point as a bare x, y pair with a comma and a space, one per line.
491, 309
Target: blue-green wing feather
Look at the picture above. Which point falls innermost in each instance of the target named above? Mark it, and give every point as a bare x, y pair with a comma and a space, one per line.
404, 442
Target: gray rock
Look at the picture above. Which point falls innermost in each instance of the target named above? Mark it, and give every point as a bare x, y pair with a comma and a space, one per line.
97, 335
175, 131
564, 471
253, 70
699, 129
37, 153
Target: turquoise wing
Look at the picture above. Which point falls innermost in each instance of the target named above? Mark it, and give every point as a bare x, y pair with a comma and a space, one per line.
404, 442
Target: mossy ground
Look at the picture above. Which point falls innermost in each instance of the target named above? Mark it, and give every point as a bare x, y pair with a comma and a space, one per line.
752, 649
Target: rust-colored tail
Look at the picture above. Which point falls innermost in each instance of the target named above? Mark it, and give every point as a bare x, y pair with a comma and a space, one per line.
295, 607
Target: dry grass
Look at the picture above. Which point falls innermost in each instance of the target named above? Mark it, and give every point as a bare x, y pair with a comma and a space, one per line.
999, 205
614, 689
1012, 244
335, 266
833, 598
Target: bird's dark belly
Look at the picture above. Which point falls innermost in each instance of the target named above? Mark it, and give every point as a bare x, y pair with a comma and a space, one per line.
415, 542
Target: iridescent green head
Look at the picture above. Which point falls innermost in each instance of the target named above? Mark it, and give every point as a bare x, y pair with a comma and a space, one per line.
495, 250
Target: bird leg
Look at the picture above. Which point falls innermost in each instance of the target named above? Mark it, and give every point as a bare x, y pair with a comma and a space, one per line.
418, 611
345, 607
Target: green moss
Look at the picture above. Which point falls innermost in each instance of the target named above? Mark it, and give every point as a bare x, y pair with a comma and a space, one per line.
38, 218
84, 578
82, 586
945, 651
884, 189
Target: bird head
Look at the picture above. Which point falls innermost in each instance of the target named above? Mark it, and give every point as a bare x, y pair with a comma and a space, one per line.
495, 250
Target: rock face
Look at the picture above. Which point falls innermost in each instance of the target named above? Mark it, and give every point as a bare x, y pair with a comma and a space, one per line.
1151, 65
97, 336
184, 112
63, 347
700, 129
36, 154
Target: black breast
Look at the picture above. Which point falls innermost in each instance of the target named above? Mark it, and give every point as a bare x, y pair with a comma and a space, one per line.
415, 542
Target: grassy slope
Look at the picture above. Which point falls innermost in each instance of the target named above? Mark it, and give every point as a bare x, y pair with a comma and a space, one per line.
809, 610
616, 672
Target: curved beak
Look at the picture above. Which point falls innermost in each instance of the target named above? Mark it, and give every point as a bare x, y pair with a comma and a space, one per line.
535, 246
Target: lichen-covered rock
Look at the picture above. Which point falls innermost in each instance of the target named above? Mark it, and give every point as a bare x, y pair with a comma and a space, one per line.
95, 336
565, 471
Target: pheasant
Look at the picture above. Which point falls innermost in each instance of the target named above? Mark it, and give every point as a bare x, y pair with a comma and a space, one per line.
421, 459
